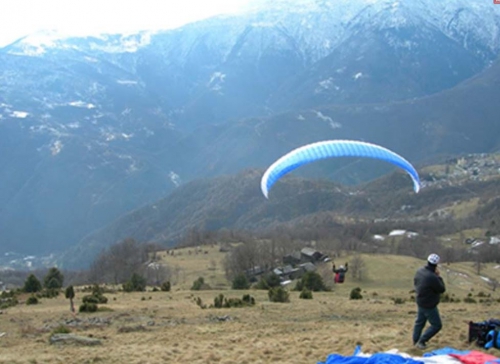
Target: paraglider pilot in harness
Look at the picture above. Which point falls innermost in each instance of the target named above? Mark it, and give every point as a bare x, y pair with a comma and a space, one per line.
340, 273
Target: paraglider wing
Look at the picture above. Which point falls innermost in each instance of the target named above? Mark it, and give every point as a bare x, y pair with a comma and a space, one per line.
333, 148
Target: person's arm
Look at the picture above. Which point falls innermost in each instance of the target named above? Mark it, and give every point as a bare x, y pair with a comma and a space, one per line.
438, 284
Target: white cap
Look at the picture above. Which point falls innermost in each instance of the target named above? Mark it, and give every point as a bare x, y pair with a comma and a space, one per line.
433, 259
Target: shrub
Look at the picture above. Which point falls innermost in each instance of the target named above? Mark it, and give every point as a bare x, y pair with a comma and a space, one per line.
165, 286
200, 303
8, 299
32, 300
61, 329
90, 299
32, 284
199, 285
233, 302
136, 283
95, 298
469, 300
278, 294
398, 300
306, 294
268, 281
88, 307
445, 297
221, 302
356, 294
50, 292
311, 281
54, 279
102, 299
249, 300
241, 282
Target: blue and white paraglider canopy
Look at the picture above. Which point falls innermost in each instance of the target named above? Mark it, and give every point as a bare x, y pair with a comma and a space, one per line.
333, 148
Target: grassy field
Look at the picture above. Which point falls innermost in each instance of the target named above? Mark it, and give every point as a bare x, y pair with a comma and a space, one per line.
169, 327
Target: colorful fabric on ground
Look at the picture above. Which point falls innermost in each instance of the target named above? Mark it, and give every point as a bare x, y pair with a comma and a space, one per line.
446, 351
378, 358
440, 356
476, 357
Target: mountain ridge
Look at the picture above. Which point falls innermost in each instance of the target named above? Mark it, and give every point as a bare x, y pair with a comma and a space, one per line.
91, 128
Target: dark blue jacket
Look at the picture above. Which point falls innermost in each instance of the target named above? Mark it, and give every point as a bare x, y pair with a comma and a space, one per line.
428, 286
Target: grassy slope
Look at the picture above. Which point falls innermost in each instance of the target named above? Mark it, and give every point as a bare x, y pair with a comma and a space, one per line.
168, 327
388, 273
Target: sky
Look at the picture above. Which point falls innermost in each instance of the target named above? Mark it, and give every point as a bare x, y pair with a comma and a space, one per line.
90, 17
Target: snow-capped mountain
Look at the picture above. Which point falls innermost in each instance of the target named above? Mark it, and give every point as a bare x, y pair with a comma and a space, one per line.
91, 128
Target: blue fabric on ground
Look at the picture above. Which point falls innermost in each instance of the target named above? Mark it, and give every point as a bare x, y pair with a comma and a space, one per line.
446, 351
379, 358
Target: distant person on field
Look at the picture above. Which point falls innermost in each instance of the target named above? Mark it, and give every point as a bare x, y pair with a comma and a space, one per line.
340, 273
428, 287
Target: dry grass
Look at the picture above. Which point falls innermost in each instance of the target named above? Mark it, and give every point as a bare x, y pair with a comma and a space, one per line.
190, 263
168, 327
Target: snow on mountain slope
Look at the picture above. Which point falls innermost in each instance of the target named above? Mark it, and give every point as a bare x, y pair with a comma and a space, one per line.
93, 127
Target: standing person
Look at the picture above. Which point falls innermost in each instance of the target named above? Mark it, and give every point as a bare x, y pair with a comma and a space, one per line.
428, 287
340, 273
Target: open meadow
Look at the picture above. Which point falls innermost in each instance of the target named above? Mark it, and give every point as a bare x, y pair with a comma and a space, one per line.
171, 327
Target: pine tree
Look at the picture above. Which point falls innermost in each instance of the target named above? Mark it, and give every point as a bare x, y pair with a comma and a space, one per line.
32, 284
54, 279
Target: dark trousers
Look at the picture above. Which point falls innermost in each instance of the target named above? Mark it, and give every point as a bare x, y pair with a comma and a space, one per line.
424, 315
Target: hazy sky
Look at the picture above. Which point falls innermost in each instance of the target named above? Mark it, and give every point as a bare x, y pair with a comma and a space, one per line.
84, 17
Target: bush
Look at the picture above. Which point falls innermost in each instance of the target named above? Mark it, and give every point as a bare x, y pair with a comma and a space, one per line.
398, 300
199, 285
97, 292
96, 297
165, 286
268, 281
88, 307
278, 294
54, 279
61, 329
249, 300
8, 299
32, 284
306, 294
32, 300
50, 293
356, 294
200, 303
445, 297
469, 300
221, 302
241, 282
90, 299
311, 281
136, 283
